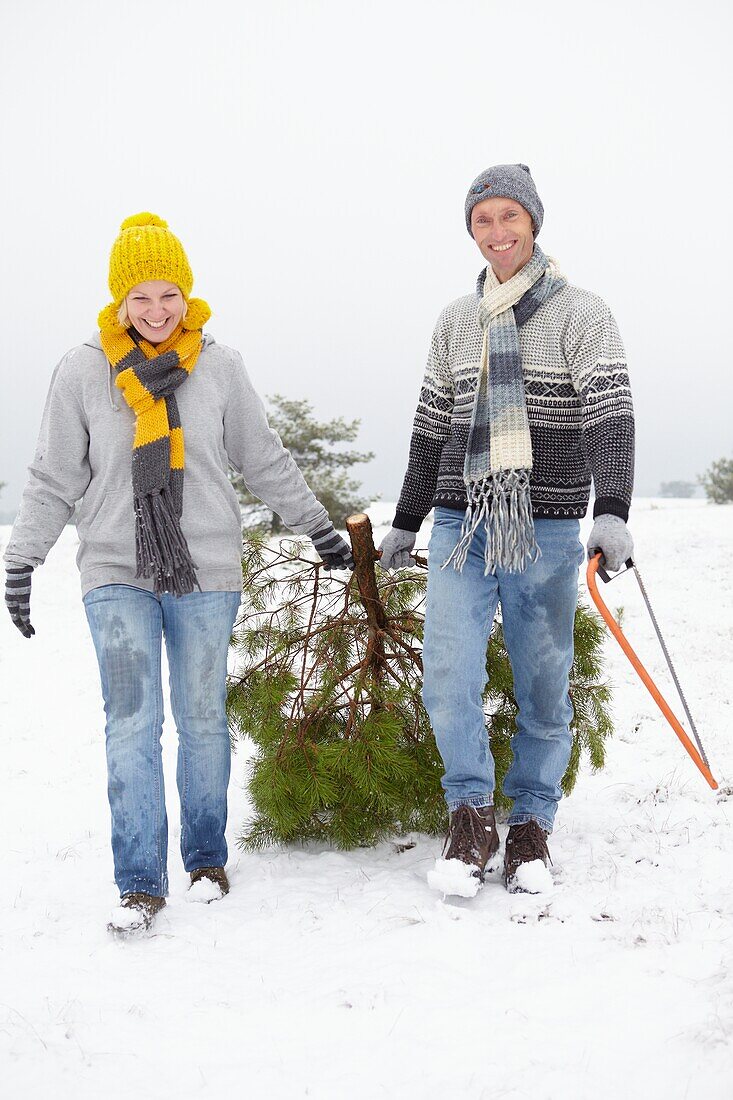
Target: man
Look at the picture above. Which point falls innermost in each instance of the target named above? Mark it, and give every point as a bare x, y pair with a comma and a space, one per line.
525, 397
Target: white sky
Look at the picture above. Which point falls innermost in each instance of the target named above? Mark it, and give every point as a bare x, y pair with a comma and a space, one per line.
314, 155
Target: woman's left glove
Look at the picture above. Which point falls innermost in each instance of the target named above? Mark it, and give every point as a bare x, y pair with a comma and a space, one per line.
612, 537
334, 552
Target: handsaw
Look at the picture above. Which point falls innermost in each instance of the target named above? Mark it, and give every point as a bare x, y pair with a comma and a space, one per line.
696, 752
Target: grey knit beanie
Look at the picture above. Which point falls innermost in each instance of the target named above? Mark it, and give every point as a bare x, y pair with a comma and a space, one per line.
506, 181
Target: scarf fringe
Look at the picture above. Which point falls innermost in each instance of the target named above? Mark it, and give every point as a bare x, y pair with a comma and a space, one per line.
161, 548
502, 503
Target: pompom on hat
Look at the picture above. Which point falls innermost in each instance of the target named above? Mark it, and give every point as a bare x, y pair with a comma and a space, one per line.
145, 250
508, 181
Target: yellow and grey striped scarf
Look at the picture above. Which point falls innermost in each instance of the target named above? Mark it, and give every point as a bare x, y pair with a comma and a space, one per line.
148, 376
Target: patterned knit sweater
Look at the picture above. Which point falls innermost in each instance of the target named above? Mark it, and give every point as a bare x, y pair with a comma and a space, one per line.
581, 418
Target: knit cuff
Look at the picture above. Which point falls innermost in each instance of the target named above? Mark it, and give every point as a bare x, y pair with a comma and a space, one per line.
405, 522
326, 539
611, 506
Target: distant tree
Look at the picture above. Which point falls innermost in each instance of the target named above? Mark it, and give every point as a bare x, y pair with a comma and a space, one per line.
677, 489
717, 481
312, 445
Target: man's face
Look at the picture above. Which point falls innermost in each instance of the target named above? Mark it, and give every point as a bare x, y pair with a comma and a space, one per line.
502, 229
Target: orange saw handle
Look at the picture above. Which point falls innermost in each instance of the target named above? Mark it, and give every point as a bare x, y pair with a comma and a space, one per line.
646, 679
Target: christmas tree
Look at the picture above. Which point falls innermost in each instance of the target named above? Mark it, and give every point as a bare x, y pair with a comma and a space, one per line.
329, 690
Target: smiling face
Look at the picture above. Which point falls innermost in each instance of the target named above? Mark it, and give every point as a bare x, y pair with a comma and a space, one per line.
502, 229
155, 309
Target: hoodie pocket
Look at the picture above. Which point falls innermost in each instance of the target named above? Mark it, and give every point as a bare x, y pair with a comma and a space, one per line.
212, 525
107, 535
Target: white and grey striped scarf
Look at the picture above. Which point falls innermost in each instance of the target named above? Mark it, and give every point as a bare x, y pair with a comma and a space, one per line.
499, 453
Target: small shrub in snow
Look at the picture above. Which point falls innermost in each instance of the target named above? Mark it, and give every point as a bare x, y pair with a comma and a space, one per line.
717, 481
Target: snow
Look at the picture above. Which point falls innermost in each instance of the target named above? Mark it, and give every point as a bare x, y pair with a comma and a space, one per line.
326, 974
126, 919
531, 878
204, 891
451, 876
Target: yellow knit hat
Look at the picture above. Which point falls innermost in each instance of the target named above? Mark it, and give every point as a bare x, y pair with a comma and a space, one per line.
145, 250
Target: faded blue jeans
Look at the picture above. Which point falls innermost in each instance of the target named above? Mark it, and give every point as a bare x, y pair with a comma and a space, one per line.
538, 613
127, 626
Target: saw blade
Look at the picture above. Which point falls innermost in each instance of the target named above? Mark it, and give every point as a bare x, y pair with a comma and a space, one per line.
668, 659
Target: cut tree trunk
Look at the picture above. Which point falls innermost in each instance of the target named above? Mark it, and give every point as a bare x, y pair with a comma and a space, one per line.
365, 554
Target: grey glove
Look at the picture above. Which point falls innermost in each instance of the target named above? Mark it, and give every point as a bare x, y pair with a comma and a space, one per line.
396, 547
18, 597
334, 552
612, 537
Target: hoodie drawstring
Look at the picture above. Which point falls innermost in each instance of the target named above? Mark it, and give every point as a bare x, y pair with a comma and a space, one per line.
115, 408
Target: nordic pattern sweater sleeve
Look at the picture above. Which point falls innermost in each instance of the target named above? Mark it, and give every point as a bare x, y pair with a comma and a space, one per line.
431, 428
255, 450
57, 478
597, 361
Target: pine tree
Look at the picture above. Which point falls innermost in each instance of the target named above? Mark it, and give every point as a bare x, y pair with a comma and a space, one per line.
717, 481
313, 446
329, 690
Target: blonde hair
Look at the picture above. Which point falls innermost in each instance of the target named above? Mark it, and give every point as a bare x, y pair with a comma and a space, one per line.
123, 317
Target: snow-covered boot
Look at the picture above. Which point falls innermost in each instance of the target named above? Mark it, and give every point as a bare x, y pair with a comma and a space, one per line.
471, 842
526, 859
208, 884
135, 913
472, 837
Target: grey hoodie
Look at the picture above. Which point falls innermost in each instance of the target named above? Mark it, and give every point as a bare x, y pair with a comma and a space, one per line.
84, 451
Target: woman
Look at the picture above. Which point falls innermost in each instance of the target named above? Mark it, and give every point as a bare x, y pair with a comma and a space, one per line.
160, 545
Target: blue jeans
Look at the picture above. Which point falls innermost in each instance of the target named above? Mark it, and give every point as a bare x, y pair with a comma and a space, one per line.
127, 626
538, 612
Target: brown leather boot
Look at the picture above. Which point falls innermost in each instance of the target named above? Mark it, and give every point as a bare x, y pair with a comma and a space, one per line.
524, 843
135, 913
217, 875
472, 837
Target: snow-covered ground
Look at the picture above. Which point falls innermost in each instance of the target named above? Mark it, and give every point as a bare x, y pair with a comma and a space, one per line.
342, 975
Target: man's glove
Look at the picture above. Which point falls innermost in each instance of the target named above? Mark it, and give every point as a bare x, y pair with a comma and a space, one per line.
334, 552
18, 597
612, 537
396, 547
